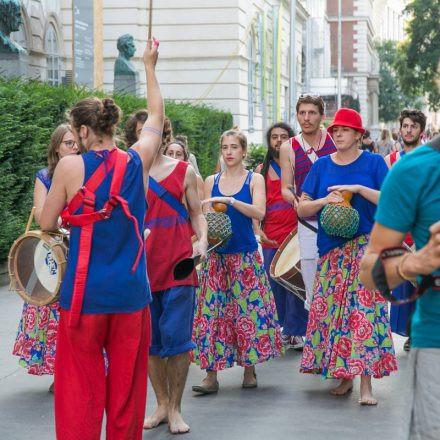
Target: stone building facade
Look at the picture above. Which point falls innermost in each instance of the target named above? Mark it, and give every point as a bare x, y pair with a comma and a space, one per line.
231, 54
360, 67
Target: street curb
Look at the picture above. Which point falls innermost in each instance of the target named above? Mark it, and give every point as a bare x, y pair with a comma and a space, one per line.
4, 275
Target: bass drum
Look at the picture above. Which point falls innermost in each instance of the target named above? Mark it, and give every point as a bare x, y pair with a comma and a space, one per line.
36, 264
286, 267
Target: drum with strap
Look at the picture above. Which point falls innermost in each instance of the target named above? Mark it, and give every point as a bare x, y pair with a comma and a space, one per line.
286, 267
36, 265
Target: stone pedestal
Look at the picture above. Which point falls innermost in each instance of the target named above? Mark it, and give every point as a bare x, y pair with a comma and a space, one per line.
14, 64
127, 83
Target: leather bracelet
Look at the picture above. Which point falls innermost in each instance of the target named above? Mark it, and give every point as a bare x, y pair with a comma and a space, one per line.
378, 271
399, 269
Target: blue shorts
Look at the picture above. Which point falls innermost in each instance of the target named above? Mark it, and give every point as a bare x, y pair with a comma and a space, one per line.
172, 314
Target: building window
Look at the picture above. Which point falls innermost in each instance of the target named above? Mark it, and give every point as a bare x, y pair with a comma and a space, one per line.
52, 56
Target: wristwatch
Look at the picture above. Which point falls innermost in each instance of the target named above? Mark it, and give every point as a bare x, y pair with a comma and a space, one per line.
231, 200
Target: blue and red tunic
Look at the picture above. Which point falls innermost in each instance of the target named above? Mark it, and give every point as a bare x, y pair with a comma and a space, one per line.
113, 283
170, 239
303, 162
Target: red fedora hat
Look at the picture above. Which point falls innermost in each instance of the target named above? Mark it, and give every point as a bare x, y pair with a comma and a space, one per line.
347, 117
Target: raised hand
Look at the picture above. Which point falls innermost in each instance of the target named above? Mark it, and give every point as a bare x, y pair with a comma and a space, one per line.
151, 53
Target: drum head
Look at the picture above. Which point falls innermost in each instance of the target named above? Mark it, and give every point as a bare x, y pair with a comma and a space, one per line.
36, 267
46, 267
288, 258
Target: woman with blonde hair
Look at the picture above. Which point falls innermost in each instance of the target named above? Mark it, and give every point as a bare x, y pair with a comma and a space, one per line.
385, 143
235, 320
35, 343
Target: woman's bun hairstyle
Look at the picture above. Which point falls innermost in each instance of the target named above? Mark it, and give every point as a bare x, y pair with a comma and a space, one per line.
102, 116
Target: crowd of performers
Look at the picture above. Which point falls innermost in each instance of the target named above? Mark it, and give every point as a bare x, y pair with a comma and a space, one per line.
119, 317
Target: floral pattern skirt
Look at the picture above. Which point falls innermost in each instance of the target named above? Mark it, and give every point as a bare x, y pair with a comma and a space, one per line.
36, 338
235, 319
348, 333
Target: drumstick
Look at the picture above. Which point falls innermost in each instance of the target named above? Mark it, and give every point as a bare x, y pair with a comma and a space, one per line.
302, 221
31, 217
150, 20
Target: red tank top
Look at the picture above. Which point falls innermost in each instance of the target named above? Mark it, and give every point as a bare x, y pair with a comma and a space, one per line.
281, 218
170, 237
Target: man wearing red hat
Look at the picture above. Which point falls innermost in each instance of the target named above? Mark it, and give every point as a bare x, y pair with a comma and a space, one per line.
297, 156
348, 333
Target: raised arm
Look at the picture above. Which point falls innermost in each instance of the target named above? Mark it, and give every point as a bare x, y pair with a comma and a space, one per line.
151, 134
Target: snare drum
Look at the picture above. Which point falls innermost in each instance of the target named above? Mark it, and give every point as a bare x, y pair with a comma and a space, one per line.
285, 268
36, 265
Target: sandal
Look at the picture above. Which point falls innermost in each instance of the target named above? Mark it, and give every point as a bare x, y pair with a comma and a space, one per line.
250, 383
206, 389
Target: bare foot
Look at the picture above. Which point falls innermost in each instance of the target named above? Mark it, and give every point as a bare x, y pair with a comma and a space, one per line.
343, 388
366, 392
159, 416
176, 423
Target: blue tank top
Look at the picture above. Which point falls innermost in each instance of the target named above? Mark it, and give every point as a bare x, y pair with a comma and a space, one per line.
111, 286
243, 238
43, 176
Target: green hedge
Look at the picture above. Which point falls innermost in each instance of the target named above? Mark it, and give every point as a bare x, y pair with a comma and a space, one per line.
30, 110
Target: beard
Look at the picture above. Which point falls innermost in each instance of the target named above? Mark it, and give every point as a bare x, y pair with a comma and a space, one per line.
413, 142
275, 153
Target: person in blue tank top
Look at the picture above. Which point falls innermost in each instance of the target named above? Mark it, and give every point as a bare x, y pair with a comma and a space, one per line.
35, 343
105, 291
235, 319
348, 333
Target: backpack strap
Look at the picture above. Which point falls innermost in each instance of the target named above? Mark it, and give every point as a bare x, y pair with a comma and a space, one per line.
86, 198
168, 198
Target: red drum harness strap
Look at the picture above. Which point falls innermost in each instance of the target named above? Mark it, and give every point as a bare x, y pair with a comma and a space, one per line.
86, 198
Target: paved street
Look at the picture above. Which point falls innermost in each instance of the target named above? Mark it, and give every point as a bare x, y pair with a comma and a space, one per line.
286, 405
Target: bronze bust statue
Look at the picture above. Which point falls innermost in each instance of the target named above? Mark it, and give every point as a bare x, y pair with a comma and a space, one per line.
126, 75
10, 21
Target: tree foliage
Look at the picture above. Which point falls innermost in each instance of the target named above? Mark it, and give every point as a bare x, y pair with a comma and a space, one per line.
392, 99
419, 56
30, 110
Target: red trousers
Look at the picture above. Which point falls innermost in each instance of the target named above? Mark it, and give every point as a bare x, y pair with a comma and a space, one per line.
83, 390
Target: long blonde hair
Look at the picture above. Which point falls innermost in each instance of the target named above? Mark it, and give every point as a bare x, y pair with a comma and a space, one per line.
55, 141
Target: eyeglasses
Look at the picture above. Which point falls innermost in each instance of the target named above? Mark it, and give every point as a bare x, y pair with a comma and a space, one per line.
69, 144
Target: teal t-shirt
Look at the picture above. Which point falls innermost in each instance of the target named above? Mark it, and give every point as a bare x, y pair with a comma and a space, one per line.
410, 201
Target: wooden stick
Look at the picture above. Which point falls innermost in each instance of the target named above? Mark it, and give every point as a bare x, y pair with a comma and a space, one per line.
31, 217
150, 20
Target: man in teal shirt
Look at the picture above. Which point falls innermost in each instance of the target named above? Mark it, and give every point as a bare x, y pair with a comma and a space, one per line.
410, 202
